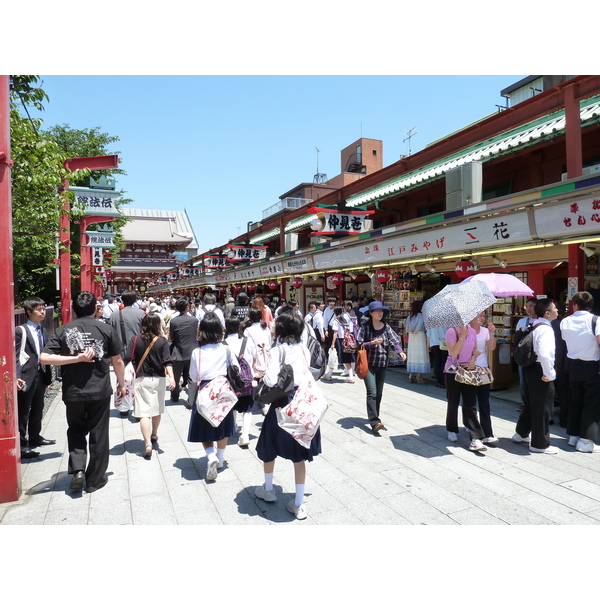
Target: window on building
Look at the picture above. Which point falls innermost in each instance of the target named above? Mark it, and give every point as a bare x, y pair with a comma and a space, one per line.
374, 152
358, 154
431, 209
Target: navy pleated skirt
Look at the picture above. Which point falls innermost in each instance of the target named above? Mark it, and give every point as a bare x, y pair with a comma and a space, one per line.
202, 431
244, 404
274, 441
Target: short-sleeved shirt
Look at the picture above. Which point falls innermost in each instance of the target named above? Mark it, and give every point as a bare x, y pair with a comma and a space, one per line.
156, 360
84, 381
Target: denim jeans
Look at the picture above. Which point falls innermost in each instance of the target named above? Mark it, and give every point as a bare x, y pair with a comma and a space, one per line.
374, 383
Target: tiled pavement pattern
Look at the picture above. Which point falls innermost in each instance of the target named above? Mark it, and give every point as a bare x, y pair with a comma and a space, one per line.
410, 474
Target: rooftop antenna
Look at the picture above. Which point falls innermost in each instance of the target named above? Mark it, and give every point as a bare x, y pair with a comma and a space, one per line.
410, 134
319, 177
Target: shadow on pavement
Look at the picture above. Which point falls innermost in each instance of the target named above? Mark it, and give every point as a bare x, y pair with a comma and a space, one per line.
355, 422
275, 512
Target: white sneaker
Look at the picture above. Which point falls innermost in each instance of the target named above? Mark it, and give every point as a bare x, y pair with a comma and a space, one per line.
587, 446
548, 450
243, 441
344, 373
573, 439
261, 492
213, 465
221, 463
518, 439
490, 440
298, 511
477, 446
327, 377
452, 437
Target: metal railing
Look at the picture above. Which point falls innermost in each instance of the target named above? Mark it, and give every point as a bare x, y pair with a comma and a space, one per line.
285, 204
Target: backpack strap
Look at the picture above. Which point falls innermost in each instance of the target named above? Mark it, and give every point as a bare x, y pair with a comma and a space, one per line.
241, 354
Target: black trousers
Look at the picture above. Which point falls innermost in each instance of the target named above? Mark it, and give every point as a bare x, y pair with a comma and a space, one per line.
88, 419
180, 367
374, 384
584, 399
539, 404
454, 391
30, 410
439, 357
485, 415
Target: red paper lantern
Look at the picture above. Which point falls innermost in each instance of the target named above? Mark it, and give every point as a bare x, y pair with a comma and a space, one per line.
237, 288
297, 282
337, 278
251, 286
383, 275
464, 268
273, 285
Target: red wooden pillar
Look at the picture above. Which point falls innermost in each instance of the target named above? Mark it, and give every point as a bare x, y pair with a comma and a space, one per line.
94, 163
574, 169
10, 464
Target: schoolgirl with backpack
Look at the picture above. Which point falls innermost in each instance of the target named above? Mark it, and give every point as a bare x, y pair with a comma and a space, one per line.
260, 341
244, 353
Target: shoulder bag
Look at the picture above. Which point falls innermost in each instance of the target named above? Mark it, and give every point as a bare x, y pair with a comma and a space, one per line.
284, 386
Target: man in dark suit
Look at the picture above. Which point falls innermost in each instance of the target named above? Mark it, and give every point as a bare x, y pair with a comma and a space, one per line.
183, 334
32, 377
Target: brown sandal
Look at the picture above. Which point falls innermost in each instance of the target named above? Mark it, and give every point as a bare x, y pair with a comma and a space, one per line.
154, 439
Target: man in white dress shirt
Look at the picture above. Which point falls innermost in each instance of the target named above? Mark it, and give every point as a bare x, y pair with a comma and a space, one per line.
583, 348
539, 387
327, 314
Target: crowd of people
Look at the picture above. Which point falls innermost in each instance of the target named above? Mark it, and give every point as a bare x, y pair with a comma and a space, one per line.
179, 344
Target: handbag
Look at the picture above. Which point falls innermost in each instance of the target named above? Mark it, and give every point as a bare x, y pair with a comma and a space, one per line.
234, 375
362, 363
215, 400
284, 387
303, 415
476, 376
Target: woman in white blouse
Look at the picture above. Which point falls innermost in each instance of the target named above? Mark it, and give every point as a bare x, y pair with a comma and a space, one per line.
274, 441
208, 361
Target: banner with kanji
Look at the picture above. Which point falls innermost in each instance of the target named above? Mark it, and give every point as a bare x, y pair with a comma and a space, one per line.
241, 252
339, 223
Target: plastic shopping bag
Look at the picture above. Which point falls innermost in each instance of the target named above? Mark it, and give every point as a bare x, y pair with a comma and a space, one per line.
303, 415
125, 402
215, 400
332, 358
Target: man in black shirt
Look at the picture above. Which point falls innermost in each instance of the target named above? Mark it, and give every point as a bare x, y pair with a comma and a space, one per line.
241, 309
84, 349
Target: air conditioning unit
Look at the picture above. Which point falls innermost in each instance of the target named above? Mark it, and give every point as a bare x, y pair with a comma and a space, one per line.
291, 242
593, 170
464, 185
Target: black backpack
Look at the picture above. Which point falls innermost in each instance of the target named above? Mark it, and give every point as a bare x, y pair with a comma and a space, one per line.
318, 360
523, 352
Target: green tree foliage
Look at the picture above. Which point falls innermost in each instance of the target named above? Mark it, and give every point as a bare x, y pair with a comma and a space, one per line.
38, 176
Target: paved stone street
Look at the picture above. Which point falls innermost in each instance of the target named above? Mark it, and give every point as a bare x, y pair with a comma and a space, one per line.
410, 474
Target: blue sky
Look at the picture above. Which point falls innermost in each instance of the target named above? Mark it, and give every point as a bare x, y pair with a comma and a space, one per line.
224, 148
